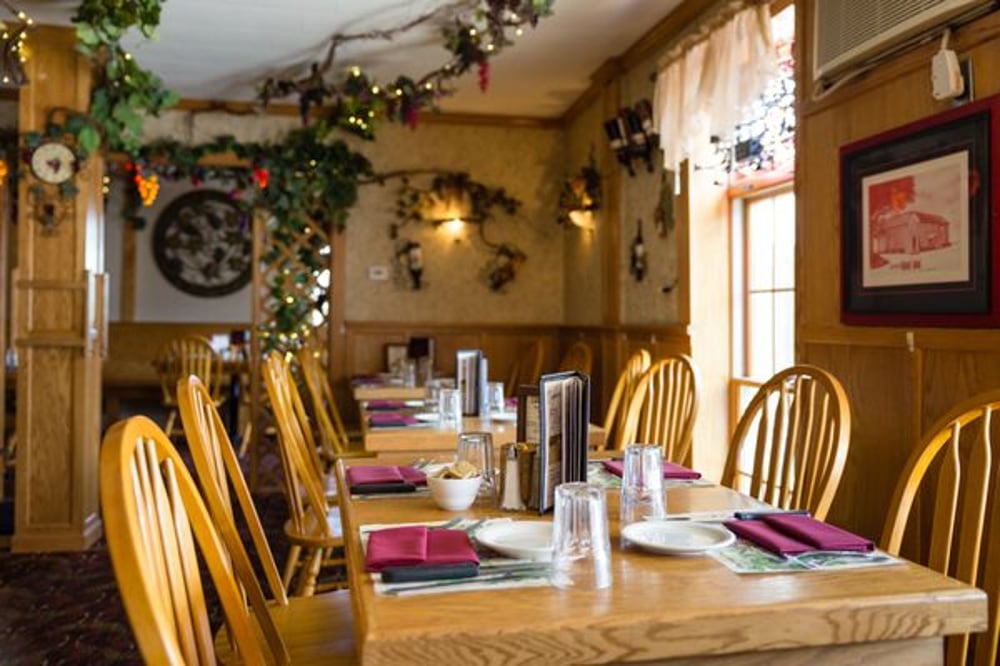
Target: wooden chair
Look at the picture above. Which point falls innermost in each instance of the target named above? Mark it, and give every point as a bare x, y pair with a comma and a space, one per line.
190, 355
965, 528
791, 443
614, 420
334, 439
578, 357
313, 529
663, 408
527, 368
152, 509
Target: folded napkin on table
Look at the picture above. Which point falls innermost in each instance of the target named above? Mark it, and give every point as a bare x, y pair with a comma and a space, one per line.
390, 420
362, 475
670, 470
417, 545
790, 534
376, 405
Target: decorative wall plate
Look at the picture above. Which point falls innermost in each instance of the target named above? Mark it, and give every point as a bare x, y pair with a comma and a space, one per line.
202, 244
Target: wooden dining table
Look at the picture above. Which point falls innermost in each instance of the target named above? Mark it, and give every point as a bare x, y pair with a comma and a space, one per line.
667, 609
425, 438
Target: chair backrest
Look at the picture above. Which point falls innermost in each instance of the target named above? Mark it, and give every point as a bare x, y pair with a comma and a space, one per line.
614, 420
303, 481
217, 467
790, 445
965, 530
578, 357
334, 437
663, 408
151, 509
527, 369
190, 355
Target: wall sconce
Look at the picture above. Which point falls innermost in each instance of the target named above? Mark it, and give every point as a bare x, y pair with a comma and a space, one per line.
631, 135
581, 196
13, 48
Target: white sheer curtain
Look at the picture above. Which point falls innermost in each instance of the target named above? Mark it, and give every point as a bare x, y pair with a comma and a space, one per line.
710, 78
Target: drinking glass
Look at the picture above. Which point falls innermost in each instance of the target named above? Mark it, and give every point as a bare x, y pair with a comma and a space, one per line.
642, 485
477, 448
581, 545
495, 398
450, 409
432, 394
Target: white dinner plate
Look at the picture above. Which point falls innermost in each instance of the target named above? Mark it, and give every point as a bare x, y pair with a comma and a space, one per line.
427, 417
677, 538
505, 417
413, 403
520, 539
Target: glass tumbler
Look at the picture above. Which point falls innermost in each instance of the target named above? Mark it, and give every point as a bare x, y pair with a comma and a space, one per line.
450, 409
495, 398
642, 485
581, 546
477, 448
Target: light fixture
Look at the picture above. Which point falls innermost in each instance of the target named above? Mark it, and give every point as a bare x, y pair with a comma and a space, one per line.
448, 202
631, 135
581, 196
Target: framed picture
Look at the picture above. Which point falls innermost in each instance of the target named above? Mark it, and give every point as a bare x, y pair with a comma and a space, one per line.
395, 357
918, 209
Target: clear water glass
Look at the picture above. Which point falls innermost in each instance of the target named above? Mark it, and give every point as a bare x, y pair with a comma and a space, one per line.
450, 409
643, 495
477, 448
495, 398
581, 545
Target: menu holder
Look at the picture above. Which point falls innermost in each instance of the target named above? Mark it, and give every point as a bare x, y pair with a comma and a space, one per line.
563, 419
468, 370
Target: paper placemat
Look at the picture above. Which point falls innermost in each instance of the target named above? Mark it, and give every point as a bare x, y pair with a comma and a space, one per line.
744, 557
596, 473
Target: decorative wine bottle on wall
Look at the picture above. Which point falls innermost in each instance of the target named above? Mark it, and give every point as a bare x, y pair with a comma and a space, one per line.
637, 266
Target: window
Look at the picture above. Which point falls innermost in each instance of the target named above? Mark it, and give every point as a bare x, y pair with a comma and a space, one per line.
761, 168
764, 283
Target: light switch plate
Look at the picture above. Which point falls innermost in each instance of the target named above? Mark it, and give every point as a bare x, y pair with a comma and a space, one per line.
379, 273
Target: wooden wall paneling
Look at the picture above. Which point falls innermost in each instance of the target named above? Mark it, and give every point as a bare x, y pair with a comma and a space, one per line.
880, 388
59, 348
950, 376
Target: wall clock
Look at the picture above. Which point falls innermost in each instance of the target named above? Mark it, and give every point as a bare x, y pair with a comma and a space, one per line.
53, 162
202, 244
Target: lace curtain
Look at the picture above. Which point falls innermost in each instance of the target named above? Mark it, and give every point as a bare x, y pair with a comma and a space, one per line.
710, 78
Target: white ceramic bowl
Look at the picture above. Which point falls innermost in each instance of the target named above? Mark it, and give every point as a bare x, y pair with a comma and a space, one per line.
454, 494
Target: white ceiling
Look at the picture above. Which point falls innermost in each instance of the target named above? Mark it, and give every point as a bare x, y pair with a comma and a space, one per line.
222, 49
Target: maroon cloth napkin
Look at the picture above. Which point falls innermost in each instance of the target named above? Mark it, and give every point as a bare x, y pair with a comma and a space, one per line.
361, 475
787, 534
378, 405
765, 536
819, 535
417, 545
670, 470
390, 420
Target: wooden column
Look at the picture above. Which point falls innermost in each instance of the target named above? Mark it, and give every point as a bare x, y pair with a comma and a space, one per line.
59, 326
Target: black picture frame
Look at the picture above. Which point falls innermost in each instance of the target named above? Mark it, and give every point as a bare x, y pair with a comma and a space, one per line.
918, 227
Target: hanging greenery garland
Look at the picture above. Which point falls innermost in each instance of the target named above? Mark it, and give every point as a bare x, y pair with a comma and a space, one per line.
308, 175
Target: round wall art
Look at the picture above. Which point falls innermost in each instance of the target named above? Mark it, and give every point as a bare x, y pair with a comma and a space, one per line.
202, 244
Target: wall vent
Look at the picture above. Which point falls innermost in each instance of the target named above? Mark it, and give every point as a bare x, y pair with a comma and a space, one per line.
847, 32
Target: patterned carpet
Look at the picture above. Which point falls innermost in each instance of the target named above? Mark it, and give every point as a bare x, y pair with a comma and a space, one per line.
64, 608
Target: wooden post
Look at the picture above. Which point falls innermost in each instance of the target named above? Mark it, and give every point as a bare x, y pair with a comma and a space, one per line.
59, 329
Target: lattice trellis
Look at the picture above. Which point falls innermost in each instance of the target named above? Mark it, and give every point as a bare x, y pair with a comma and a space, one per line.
292, 270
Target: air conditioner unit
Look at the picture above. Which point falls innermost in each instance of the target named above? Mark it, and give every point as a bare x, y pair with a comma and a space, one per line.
847, 32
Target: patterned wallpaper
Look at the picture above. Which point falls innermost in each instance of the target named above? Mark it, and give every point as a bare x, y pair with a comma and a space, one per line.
526, 161
645, 302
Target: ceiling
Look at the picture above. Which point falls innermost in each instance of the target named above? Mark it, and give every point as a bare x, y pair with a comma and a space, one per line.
222, 49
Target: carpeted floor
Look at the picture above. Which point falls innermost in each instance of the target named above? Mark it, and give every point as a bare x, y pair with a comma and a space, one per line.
64, 608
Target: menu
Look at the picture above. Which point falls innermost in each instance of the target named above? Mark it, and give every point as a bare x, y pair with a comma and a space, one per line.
564, 410
469, 366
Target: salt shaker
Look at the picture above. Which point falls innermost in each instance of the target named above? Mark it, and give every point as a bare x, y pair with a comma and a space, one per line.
510, 479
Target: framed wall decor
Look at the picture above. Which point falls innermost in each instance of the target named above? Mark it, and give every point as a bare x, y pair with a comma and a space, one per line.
202, 244
918, 222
